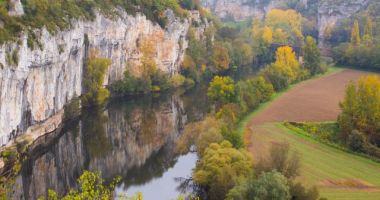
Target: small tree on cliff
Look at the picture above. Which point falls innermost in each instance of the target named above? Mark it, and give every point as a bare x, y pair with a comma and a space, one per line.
94, 74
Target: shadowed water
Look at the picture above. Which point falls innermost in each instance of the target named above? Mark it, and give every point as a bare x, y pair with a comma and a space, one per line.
133, 138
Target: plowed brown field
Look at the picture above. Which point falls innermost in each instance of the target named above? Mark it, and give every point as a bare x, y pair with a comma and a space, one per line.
313, 100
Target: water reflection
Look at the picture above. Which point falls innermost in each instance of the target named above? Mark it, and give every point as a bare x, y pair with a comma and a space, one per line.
132, 138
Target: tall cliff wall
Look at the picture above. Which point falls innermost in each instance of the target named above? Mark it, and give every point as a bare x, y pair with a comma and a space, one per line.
35, 84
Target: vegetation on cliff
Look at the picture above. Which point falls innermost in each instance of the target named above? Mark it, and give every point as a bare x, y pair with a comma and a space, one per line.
95, 70
58, 15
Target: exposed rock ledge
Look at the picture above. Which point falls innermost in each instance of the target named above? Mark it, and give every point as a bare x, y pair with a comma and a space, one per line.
42, 81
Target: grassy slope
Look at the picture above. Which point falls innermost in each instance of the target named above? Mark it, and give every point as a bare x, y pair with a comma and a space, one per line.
322, 162
319, 161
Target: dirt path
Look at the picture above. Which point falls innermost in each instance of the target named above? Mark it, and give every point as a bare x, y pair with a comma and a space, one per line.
313, 100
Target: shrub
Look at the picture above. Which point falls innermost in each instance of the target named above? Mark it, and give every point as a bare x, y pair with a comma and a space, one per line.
177, 80
268, 186
93, 78
221, 89
92, 186
356, 141
221, 168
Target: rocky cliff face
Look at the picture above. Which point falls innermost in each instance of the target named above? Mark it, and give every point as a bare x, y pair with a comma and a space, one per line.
240, 10
35, 84
329, 13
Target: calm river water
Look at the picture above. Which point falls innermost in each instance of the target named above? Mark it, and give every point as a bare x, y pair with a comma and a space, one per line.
133, 138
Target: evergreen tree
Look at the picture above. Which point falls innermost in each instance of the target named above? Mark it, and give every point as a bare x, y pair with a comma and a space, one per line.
355, 34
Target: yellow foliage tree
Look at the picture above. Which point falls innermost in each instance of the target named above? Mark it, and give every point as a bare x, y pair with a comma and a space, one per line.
148, 64
286, 63
355, 34
267, 35
288, 20
280, 36
221, 168
361, 109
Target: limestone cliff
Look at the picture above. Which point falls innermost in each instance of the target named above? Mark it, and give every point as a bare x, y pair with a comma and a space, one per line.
240, 10
327, 13
330, 13
36, 83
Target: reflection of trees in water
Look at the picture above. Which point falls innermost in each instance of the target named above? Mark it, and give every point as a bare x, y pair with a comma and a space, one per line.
153, 168
96, 141
132, 138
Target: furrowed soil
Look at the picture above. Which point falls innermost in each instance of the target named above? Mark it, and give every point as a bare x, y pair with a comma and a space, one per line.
338, 174
314, 100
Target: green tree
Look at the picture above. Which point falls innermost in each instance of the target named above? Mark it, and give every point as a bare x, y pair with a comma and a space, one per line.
268, 186
312, 56
221, 89
355, 33
93, 78
252, 92
91, 186
221, 168
349, 107
368, 32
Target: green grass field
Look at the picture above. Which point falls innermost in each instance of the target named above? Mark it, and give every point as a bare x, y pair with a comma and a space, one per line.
321, 163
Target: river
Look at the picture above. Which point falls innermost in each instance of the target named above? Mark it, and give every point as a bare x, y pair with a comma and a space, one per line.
132, 138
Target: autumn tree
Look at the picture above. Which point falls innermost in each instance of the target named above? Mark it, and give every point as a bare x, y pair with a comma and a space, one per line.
280, 36
220, 58
361, 109
93, 78
91, 186
267, 36
200, 134
221, 168
221, 89
312, 56
355, 33
288, 20
284, 70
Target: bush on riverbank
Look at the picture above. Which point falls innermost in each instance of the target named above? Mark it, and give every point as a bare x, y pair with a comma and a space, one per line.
95, 70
